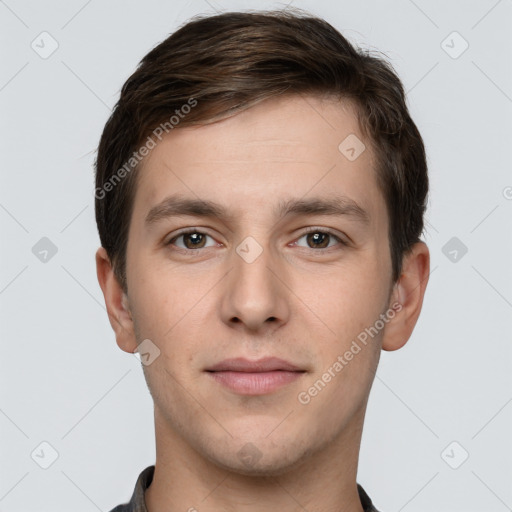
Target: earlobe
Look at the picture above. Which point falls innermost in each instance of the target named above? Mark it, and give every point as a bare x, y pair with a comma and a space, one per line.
408, 292
116, 302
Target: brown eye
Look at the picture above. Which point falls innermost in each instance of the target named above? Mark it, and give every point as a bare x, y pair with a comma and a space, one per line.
194, 240
191, 240
320, 239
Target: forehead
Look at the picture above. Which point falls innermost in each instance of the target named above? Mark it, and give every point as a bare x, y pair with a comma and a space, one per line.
281, 148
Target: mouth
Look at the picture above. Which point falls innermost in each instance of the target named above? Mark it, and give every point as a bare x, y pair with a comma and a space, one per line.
261, 377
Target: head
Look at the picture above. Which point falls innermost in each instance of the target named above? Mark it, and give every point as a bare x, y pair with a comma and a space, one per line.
261, 126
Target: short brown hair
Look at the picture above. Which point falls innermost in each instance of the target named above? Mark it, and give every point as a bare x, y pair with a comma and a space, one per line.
226, 63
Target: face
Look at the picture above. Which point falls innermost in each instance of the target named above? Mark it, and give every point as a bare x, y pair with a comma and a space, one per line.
271, 275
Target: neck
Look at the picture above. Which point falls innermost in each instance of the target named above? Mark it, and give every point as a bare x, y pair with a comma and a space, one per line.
324, 481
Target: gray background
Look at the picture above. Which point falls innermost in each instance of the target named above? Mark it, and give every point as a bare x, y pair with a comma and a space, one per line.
65, 382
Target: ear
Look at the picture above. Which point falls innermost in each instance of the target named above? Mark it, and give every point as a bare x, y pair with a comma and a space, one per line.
116, 300
407, 296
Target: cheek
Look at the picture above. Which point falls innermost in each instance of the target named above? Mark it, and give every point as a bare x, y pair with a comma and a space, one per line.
159, 291
168, 310
338, 391
344, 300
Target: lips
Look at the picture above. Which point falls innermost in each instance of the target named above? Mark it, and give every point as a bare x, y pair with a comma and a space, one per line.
267, 364
262, 377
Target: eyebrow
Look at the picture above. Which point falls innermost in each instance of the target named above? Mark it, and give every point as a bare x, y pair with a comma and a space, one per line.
176, 205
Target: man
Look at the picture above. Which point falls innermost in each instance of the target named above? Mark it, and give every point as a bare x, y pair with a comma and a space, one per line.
260, 191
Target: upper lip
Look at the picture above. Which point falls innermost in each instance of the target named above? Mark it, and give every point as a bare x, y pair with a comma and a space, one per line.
240, 364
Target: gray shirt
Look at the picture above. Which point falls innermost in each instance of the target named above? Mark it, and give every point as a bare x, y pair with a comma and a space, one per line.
138, 503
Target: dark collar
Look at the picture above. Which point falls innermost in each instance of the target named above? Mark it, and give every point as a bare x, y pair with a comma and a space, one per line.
138, 503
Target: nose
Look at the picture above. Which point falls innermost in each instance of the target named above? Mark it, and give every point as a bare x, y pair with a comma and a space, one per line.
255, 295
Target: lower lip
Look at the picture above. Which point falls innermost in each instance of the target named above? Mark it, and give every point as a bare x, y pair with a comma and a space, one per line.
255, 383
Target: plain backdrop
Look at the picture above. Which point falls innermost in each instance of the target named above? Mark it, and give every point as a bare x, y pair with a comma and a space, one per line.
438, 429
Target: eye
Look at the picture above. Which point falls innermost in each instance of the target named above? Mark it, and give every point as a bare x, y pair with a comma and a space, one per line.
316, 238
320, 239
192, 239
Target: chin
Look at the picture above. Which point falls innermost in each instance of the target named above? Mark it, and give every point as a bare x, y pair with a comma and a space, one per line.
262, 468
261, 458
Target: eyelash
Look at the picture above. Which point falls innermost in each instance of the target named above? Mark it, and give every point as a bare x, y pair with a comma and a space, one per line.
306, 232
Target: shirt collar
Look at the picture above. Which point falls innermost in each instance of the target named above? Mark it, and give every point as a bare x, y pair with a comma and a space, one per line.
138, 503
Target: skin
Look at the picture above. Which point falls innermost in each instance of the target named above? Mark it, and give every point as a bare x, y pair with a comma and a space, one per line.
298, 301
